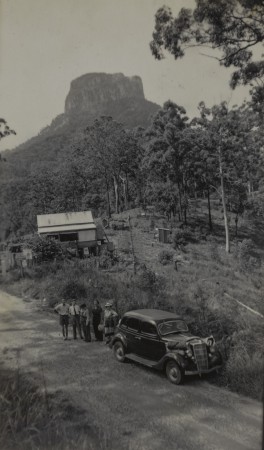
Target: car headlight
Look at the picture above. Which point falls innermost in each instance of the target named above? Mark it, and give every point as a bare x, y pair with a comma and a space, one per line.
189, 352
210, 341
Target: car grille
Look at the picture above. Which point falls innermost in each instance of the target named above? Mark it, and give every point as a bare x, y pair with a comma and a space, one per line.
200, 353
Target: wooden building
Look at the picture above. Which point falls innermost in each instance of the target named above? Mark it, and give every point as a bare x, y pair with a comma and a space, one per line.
77, 228
164, 235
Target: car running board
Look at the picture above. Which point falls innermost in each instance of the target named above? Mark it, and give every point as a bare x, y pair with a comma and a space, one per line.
139, 359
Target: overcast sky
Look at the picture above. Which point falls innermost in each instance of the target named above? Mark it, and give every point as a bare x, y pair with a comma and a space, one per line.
47, 43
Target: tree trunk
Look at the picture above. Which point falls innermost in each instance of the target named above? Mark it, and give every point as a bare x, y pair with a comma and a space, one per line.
127, 193
116, 187
108, 197
185, 216
209, 209
124, 182
249, 188
224, 201
132, 245
236, 222
180, 202
195, 191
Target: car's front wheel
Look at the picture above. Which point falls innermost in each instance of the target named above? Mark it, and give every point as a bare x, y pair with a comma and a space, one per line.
119, 351
174, 372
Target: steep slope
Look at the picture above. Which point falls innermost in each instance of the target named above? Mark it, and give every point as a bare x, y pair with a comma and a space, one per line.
90, 96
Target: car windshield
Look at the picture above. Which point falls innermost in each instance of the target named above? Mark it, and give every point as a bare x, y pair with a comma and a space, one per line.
172, 326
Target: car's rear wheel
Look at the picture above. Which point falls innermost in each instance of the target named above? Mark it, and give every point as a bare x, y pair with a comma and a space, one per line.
174, 372
119, 351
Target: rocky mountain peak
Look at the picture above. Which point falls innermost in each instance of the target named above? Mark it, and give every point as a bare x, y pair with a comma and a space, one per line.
91, 91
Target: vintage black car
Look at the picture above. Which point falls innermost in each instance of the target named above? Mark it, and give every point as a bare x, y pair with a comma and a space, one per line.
161, 340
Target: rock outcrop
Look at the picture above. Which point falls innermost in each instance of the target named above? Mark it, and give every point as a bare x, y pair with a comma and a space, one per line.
90, 96
98, 94
91, 92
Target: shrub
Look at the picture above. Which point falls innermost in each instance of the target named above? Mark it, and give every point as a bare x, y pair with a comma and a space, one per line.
182, 237
244, 371
213, 249
73, 289
247, 258
147, 279
165, 257
119, 225
45, 249
45, 268
105, 261
152, 224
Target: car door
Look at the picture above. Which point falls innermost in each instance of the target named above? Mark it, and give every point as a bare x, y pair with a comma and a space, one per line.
152, 347
133, 335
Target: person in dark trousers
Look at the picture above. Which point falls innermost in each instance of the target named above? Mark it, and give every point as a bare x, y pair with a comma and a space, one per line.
110, 321
74, 310
63, 310
97, 316
85, 322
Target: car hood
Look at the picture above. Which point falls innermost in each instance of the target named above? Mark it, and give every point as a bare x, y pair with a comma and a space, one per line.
182, 339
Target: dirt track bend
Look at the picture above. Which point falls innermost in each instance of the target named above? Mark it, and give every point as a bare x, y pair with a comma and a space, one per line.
137, 406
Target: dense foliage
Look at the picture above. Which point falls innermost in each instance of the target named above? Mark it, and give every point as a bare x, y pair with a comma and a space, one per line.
234, 29
105, 167
218, 156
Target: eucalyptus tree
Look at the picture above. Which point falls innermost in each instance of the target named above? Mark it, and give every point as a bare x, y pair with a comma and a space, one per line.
231, 159
113, 153
5, 130
164, 156
201, 163
234, 29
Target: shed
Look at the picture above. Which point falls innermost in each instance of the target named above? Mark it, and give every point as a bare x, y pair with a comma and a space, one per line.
78, 227
164, 235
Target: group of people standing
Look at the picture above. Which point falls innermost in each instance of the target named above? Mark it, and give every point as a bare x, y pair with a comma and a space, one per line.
103, 321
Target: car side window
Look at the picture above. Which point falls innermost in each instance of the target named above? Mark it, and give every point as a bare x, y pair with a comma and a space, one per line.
132, 323
148, 328
123, 323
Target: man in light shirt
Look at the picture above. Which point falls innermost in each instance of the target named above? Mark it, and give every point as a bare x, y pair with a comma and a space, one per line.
74, 311
63, 310
85, 322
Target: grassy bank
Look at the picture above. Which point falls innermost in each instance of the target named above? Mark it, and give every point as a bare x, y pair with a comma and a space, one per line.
31, 418
209, 289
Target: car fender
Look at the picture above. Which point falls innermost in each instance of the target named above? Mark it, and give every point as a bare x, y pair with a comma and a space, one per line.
171, 356
119, 337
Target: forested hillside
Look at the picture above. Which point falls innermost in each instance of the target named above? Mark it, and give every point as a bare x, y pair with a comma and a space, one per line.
109, 168
46, 166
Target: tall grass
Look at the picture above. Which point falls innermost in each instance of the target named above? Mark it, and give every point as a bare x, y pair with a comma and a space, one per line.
196, 291
31, 419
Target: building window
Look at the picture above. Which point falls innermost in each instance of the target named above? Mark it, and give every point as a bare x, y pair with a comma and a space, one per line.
54, 237
66, 237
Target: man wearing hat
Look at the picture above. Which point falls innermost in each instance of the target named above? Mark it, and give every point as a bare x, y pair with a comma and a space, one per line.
110, 318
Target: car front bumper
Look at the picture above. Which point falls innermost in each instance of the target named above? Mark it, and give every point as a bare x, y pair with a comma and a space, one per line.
196, 372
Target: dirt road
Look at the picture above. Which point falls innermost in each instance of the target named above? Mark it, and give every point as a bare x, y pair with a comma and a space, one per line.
138, 408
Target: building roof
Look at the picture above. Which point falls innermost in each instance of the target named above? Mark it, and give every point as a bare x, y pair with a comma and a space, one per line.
155, 315
72, 221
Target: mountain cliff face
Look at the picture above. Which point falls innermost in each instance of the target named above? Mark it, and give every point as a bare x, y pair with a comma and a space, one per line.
90, 92
97, 94
90, 96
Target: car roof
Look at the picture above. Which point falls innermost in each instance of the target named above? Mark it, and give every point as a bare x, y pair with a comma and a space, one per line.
155, 315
